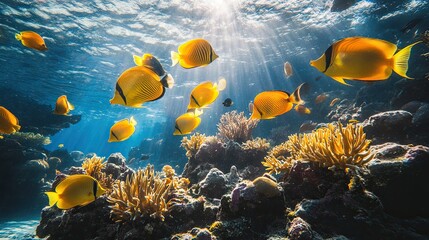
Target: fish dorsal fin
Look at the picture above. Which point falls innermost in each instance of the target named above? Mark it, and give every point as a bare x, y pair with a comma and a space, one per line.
71, 107
69, 180
138, 60
221, 84
133, 121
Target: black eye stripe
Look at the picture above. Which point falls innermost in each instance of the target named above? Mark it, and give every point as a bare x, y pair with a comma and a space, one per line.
328, 58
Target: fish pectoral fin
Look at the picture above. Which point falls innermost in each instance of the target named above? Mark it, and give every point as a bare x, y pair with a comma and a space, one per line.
340, 80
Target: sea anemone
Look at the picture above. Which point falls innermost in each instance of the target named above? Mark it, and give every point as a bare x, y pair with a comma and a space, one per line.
192, 144
140, 196
236, 127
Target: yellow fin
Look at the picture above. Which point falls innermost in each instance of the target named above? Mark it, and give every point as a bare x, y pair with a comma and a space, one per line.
138, 60
133, 121
174, 58
295, 97
400, 61
340, 80
221, 84
71, 107
53, 198
18, 36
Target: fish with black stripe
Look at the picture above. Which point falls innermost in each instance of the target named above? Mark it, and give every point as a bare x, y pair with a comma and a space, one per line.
75, 190
270, 104
9, 123
205, 93
151, 62
194, 53
122, 130
187, 122
138, 85
63, 106
364, 59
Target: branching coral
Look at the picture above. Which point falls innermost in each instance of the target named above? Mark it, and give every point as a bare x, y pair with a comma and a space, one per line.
192, 144
236, 127
93, 166
260, 144
334, 145
277, 160
168, 171
30, 139
143, 195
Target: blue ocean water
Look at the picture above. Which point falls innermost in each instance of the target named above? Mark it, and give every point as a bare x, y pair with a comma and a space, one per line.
90, 43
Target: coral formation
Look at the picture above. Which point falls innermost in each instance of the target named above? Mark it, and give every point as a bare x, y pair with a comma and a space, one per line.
260, 144
277, 159
30, 139
236, 127
93, 166
192, 144
141, 196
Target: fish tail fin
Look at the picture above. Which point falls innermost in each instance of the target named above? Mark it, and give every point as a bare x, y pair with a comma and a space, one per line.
138, 60
400, 60
175, 57
18, 36
133, 121
197, 112
53, 198
168, 81
221, 84
295, 97
17, 127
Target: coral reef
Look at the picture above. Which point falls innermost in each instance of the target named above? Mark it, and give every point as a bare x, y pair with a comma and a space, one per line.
277, 160
93, 166
236, 127
192, 144
141, 196
30, 139
259, 144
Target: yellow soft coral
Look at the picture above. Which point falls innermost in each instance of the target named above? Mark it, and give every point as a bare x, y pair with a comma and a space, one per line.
93, 167
142, 195
277, 159
192, 144
330, 146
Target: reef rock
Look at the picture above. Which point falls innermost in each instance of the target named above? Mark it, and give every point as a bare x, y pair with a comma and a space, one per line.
388, 126
399, 177
214, 184
117, 159
301, 230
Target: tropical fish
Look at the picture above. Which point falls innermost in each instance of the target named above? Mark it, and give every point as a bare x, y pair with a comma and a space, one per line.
60, 145
122, 130
75, 190
269, 104
31, 40
353, 121
300, 108
205, 93
320, 98
194, 53
335, 100
63, 106
411, 24
138, 85
8, 122
144, 157
307, 126
227, 102
151, 62
187, 122
360, 58
288, 69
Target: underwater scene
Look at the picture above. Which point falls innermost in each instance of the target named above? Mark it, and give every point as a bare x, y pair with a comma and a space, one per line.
214, 119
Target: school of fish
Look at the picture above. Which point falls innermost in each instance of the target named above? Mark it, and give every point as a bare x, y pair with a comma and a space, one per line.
353, 58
